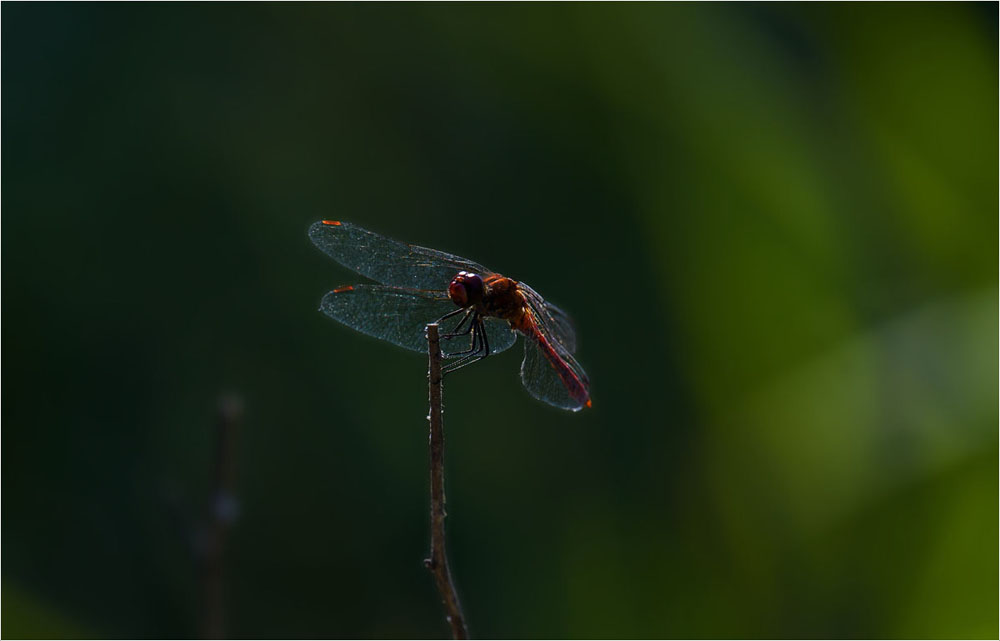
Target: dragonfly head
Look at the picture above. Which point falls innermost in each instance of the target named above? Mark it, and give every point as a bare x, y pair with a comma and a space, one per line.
466, 289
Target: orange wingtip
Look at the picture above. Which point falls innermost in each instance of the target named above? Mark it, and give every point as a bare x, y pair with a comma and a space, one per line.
589, 403
346, 288
331, 222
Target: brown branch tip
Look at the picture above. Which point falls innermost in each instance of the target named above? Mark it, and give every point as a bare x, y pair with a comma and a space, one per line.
438, 561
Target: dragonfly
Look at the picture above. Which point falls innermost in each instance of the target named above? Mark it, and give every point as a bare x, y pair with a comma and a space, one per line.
415, 286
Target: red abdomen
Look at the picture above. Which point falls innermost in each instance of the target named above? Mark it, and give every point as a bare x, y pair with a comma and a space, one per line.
577, 388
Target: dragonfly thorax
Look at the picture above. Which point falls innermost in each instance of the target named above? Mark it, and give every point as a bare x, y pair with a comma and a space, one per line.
466, 289
503, 299
496, 296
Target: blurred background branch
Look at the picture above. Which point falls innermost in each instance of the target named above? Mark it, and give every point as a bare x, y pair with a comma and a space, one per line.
222, 510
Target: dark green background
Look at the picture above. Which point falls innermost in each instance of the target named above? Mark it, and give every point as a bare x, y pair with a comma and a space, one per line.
775, 226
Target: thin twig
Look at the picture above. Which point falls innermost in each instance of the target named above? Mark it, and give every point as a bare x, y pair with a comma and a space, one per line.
222, 511
438, 561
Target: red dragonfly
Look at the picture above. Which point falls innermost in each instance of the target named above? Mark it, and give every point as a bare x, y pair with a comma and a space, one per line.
417, 286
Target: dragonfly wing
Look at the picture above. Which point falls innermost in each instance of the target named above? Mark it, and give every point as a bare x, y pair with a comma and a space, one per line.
393, 314
388, 261
556, 379
499, 334
551, 320
563, 328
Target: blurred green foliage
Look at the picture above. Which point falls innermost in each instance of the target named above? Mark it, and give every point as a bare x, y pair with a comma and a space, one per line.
775, 226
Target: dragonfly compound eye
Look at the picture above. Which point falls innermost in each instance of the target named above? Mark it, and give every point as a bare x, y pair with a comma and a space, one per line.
466, 289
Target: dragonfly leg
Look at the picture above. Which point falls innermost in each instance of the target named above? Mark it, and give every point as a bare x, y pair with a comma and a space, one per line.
481, 349
472, 339
457, 365
470, 313
472, 350
486, 341
469, 357
450, 314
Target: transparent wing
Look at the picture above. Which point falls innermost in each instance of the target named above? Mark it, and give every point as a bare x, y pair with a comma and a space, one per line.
555, 379
390, 313
551, 320
499, 334
388, 261
399, 315
563, 328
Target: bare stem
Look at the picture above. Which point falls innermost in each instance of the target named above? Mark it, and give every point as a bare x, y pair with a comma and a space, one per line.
221, 513
438, 561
